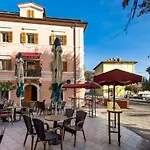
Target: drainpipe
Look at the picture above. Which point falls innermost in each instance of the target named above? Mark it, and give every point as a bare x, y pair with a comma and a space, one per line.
74, 49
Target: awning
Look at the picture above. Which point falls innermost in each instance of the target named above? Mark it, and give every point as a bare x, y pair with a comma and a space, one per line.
33, 55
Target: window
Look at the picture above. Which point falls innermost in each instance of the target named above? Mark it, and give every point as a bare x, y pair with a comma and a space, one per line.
30, 38
5, 64
65, 66
30, 13
62, 38
6, 36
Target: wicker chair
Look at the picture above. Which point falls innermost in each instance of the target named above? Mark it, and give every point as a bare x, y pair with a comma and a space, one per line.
79, 122
46, 136
30, 130
68, 113
2, 134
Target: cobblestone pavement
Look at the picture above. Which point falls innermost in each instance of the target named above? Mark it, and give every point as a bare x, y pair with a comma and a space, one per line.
136, 119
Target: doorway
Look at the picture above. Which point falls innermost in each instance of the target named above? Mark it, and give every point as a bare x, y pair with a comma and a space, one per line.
30, 93
34, 93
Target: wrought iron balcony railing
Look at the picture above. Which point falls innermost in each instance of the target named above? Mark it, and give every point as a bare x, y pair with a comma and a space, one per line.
31, 72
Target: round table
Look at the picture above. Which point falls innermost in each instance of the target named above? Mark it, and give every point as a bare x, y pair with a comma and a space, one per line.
55, 118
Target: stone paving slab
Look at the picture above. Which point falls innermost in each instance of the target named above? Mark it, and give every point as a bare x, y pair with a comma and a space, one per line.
136, 119
96, 133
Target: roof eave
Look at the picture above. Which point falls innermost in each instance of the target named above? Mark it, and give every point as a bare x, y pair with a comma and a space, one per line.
102, 62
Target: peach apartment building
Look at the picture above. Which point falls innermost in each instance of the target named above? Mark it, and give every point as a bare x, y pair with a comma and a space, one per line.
32, 33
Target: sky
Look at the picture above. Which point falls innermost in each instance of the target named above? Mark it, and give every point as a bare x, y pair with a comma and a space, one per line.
105, 19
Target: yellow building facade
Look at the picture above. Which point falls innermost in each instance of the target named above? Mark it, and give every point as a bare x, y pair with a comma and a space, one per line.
110, 64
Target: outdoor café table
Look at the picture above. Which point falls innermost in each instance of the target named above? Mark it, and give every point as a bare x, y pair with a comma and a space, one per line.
111, 129
14, 108
55, 118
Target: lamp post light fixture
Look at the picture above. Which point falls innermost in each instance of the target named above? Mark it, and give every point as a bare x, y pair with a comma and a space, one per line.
40, 82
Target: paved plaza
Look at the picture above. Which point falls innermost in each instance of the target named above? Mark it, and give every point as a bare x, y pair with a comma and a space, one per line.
136, 119
96, 131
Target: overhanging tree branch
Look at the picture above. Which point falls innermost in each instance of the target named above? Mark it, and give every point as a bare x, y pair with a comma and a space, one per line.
131, 16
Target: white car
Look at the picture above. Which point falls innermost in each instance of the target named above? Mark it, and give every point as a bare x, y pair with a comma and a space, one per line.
144, 96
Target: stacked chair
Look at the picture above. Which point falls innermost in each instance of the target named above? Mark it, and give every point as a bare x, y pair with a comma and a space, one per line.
41, 107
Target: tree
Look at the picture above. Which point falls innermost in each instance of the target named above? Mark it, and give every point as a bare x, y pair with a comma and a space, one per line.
148, 70
143, 6
146, 85
88, 75
4, 88
132, 88
138, 9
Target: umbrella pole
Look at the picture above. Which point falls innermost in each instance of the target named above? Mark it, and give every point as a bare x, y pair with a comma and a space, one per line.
108, 91
20, 101
56, 108
92, 101
114, 96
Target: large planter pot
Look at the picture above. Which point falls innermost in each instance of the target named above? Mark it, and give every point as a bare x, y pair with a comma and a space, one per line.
122, 103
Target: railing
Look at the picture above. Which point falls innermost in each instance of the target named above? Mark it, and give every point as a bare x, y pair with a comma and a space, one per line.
31, 72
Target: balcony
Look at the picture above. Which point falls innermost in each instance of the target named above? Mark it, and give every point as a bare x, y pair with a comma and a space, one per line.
33, 72
36, 72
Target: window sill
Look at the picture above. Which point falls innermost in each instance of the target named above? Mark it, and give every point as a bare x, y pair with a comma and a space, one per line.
7, 71
29, 43
5, 42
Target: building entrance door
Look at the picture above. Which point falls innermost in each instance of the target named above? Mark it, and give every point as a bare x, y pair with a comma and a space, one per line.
30, 93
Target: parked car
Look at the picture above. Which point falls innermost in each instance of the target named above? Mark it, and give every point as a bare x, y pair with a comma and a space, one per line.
134, 96
131, 96
143, 96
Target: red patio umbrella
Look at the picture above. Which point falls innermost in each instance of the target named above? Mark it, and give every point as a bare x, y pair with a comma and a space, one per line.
86, 85
117, 77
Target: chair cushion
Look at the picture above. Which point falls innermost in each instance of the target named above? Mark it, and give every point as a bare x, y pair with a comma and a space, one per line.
4, 115
49, 135
70, 129
60, 124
